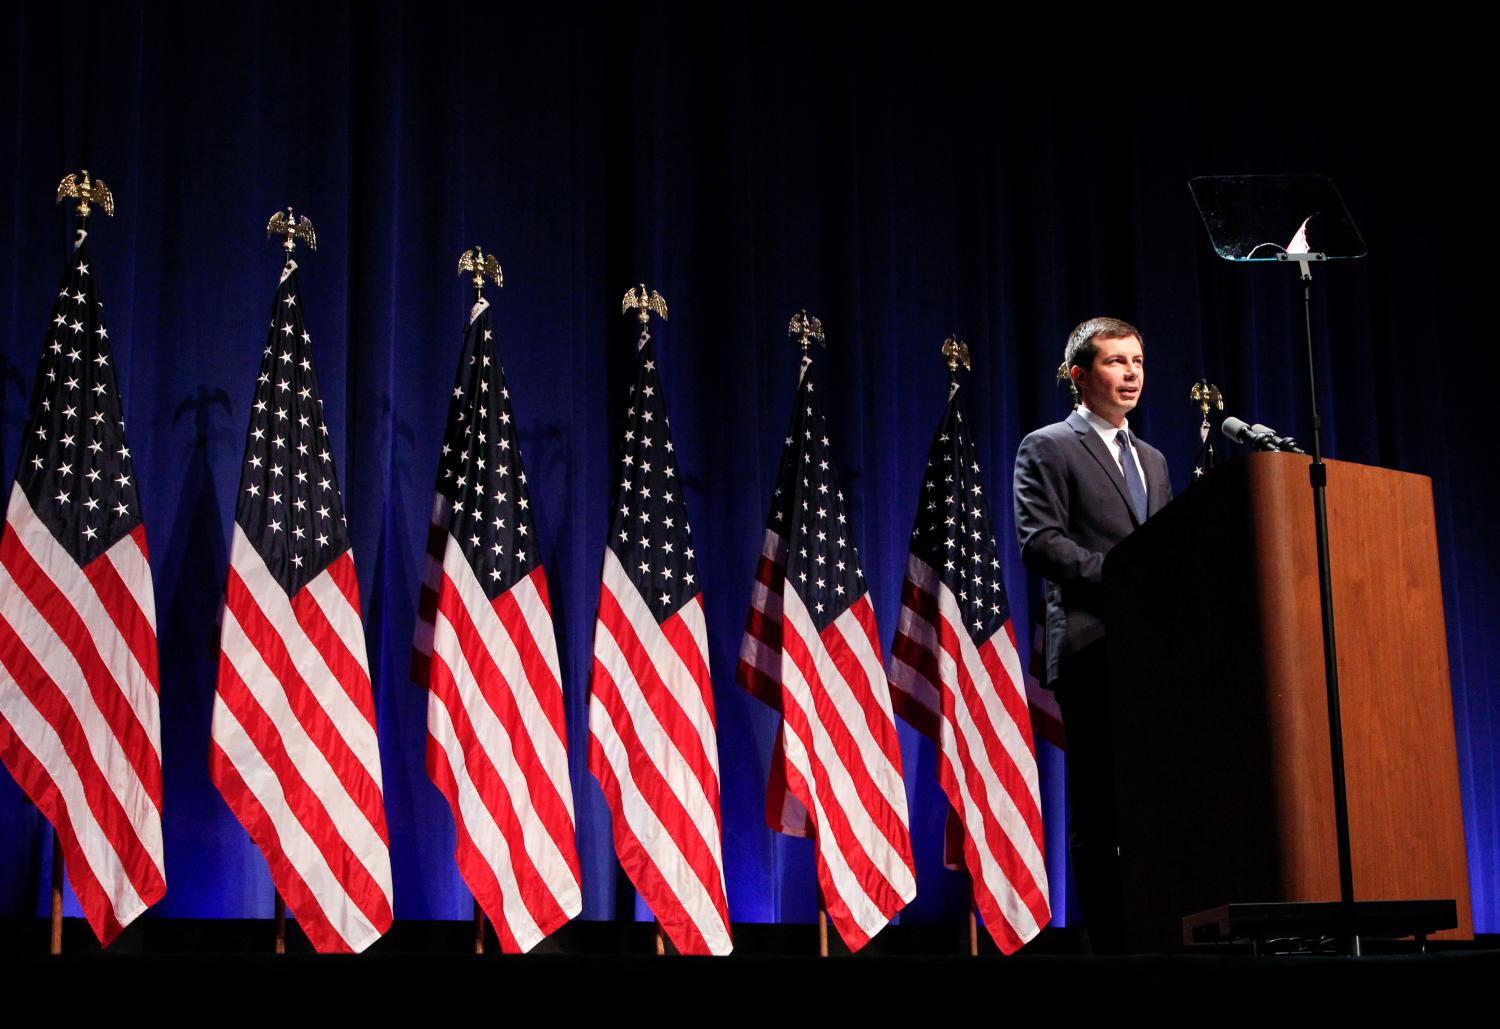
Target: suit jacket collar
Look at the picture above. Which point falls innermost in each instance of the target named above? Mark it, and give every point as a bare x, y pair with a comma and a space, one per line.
1095, 445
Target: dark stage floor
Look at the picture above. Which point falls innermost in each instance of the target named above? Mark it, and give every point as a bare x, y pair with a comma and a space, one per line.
592, 966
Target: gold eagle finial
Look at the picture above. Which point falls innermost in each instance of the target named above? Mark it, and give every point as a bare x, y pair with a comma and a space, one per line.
644, 302
1064, 374
956, 351
806, 330
482, 265
285, 223
86, 192
1206, 395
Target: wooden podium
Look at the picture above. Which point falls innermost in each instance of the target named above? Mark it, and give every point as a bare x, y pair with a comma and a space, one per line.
1223, 775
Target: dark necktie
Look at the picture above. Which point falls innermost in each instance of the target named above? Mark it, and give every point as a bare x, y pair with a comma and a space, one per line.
1133, 484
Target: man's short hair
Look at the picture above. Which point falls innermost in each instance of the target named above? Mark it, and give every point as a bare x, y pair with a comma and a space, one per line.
1083, 342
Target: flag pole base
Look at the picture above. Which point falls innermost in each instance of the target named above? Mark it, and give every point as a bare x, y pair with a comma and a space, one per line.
54, 945
280, 918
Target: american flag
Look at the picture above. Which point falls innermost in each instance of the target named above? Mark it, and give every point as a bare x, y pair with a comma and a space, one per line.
653, 746
79, 723
811, 650
1205, 460
486, 651
957, 677
294, 747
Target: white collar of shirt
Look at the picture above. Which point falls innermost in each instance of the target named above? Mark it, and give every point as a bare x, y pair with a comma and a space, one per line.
1108, 433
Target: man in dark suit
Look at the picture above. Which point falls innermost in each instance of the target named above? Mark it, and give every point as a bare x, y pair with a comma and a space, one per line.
1081, 486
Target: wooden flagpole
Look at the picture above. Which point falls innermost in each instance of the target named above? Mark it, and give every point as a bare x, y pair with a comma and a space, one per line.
55, 943
478, 927
822, 925
973, 921
280, 919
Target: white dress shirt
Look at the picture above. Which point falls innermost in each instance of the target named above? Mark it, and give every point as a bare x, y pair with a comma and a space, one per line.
1108, 432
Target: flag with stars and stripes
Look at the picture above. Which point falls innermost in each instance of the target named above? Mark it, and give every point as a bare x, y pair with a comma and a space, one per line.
79, 723
293, 747
652, 744
957, 677
486, 651
811, 651
1205, 460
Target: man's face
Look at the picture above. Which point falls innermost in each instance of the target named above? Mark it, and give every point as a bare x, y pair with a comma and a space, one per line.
1112, 386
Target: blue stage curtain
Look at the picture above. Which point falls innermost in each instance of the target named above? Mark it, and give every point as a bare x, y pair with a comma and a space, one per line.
904, 172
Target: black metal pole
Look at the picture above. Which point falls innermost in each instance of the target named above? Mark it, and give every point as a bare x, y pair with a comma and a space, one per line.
1318, 476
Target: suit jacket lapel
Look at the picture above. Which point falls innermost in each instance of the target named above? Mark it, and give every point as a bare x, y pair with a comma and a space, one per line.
1094, 444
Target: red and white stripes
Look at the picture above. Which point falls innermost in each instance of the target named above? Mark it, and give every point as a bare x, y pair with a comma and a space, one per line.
294, 747
971, 699
653, 748
497, 748
841, 758
79, 723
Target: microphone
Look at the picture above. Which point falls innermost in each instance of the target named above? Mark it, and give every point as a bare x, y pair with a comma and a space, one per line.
1254, 436
1284, 443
